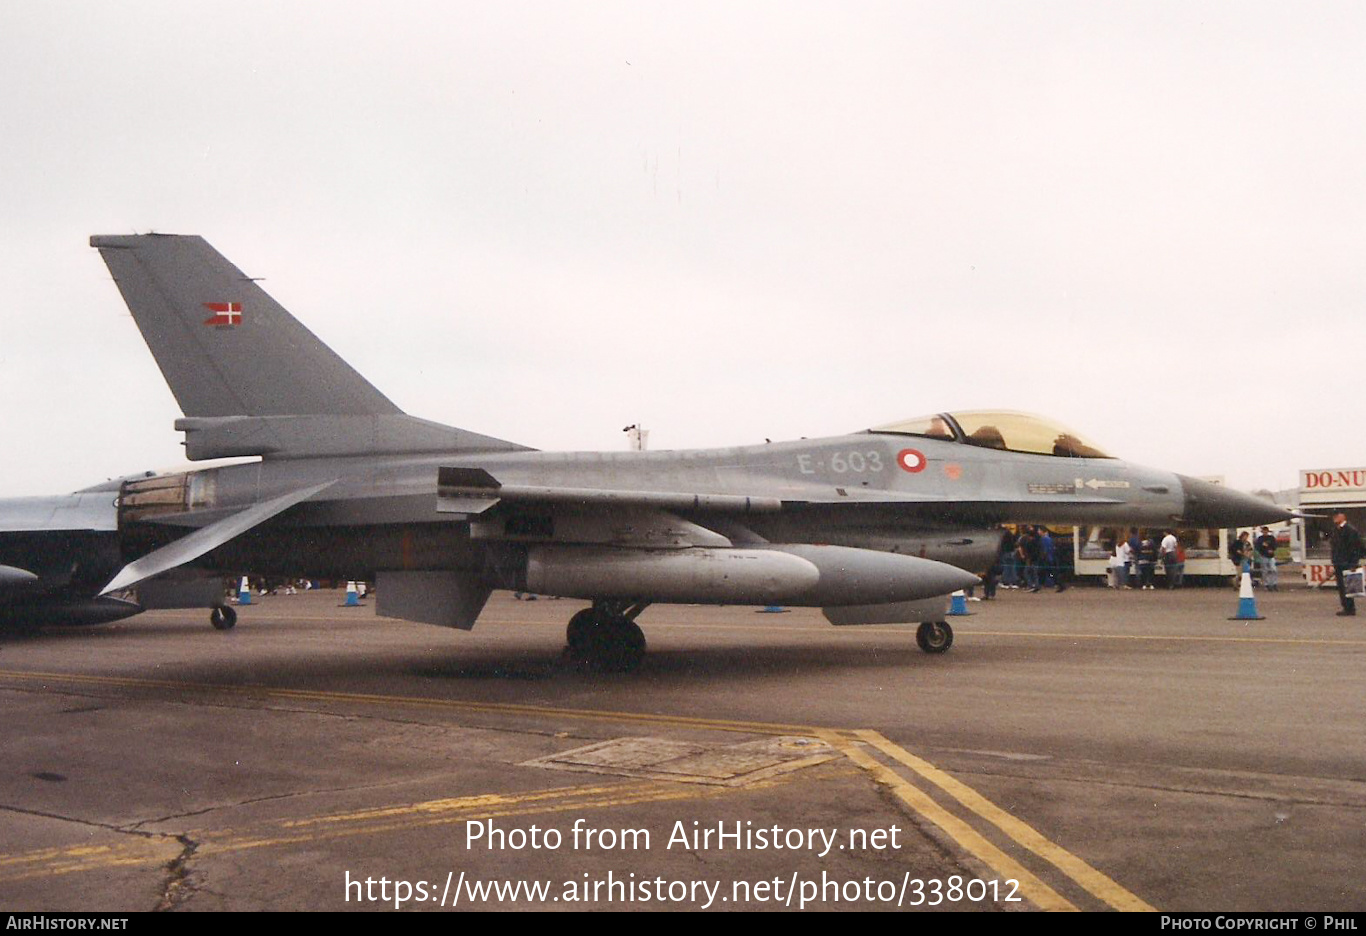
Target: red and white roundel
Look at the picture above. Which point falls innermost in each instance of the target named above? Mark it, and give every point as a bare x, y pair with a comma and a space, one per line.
910, 460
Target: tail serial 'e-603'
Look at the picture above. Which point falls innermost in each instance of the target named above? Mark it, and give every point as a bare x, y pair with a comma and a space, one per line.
876, 526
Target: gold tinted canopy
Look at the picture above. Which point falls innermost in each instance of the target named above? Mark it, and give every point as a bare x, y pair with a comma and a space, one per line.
1005, 430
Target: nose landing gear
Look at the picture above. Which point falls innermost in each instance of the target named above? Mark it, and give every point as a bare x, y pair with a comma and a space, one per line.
606, 637
934, 636
222, 618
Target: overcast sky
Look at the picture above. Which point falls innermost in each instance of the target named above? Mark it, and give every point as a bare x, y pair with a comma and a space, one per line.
724, 221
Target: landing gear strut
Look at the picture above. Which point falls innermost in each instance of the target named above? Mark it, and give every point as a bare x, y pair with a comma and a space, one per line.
606, 637
222, 618
934, 636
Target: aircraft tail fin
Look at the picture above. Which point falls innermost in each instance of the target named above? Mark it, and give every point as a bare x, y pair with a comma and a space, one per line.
225, 347
249, 377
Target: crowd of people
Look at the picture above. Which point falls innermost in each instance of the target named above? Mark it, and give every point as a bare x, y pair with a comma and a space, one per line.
1259, 554
1133, 563
1028, 559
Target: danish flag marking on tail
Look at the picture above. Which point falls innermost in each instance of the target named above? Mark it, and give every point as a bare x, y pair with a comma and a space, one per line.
224, 313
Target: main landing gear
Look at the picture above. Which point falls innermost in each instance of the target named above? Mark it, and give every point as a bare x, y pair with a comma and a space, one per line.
934, 636
606, 637
222, 618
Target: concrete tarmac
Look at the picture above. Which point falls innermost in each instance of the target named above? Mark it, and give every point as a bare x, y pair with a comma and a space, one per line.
1104, 750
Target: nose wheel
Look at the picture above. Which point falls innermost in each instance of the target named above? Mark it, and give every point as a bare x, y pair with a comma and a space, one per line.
222, 618
934, 636
606, 637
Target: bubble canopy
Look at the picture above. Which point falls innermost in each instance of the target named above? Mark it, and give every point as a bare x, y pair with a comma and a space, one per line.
1004, 430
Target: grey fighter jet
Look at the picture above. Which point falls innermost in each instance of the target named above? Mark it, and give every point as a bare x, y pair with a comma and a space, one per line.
876, 526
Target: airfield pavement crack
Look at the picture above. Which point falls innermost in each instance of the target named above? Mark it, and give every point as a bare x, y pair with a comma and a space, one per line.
178, 873
108, 827
179, 885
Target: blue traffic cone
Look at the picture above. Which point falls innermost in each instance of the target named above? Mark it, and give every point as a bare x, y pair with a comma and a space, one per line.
1247, 602
958, 605
244, 592
352, 597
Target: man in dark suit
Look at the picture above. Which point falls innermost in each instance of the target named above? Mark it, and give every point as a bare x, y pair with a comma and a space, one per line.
1030, 554
1348, 550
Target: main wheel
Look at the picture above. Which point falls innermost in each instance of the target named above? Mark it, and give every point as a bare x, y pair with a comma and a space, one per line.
616, 646
934, 636
222, 618
579, 633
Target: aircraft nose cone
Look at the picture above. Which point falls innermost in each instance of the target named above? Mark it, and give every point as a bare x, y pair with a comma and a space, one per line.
1212, 505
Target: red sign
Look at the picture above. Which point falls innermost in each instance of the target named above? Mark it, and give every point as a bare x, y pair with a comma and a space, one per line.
1319, 574
224, 313
1348, 478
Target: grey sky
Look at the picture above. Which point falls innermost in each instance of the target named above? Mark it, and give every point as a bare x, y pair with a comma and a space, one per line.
727, 222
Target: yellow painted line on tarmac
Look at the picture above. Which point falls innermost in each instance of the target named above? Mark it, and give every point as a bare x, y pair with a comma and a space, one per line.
1088, 877
504, 708
446, 805
77, 857
967, 838
50, 862
348, 826
54, 862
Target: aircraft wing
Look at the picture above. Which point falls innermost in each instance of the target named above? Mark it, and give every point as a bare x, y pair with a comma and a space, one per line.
201, 541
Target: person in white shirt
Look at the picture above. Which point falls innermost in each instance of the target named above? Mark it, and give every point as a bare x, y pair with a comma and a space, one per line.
1123, 555
1171, 560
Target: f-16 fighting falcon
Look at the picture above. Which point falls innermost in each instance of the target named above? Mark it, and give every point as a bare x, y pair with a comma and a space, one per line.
876, 526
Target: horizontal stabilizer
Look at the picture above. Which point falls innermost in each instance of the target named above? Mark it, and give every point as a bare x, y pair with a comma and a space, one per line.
327, 435
207, 538
85, 511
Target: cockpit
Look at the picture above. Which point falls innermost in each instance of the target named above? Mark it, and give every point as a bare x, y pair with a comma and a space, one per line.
1003, 430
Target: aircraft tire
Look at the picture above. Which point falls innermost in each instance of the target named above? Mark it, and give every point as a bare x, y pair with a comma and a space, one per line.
934, 636
616, 645
223, 618
579, 634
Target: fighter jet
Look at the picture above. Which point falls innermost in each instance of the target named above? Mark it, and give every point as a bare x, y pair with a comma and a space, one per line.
876, 526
